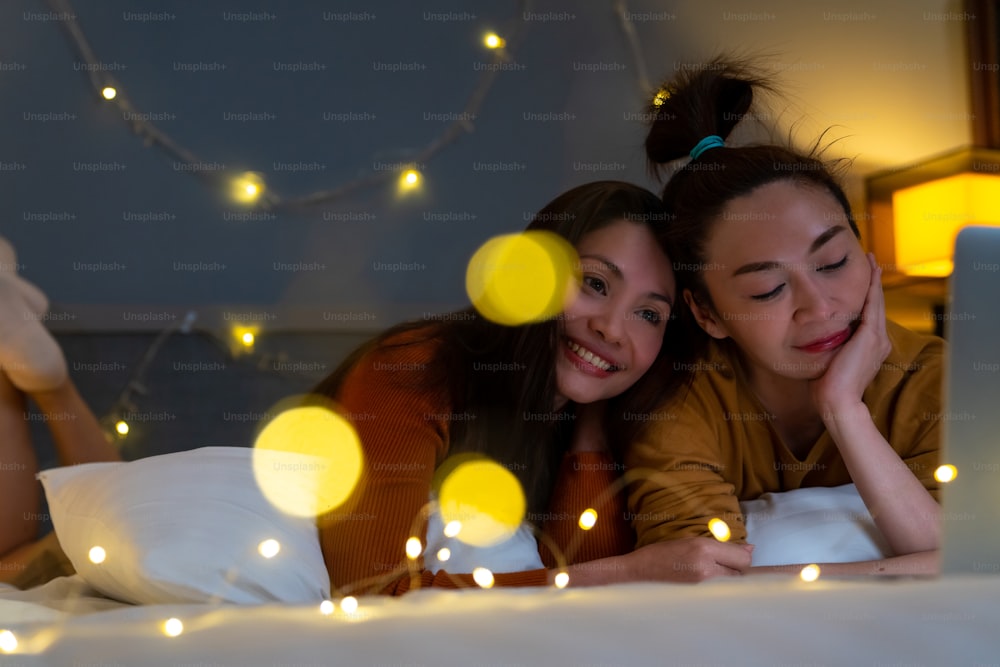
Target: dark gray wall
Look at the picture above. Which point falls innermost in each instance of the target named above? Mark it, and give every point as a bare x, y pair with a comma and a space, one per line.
575, 61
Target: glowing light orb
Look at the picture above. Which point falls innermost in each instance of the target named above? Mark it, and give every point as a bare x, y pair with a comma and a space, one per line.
269, 548
483, 577
349, 604
493, 41
453, 528
8, 642
443, 554
946, 473
247, 339
414, 548
719, 529
809, 573
173, 627
588, 518
326, 607
486, 498
409, 181
247, 187
515, 279
307, 460
121, 427
109, 93
562, 580
97, 555
660, 97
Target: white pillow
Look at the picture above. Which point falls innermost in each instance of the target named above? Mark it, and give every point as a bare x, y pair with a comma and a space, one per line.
812, 525
184, 527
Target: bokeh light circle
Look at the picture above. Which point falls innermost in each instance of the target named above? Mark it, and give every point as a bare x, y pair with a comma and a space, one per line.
486, 498
307, 459
516, 279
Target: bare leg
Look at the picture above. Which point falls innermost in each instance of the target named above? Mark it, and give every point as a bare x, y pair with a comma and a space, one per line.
20, 494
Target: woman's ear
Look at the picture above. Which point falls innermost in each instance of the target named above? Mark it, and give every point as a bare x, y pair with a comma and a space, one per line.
705, 317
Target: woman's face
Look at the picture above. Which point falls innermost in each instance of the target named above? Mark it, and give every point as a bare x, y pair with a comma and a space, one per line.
613, 330
787, 279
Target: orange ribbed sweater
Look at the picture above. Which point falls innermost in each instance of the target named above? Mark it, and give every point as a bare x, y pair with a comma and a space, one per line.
404, 436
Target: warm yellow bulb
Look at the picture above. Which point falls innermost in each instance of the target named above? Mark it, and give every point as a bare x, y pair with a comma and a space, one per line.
493, 41
269, 548
660, 97
414, 548
349, 604
720, 529
326, 607
247, 339
121, 427
409, 181
809, 573
483, 577
8, 642
97, 555
109, 93
562, 580
443, 554
247, 187
946, 473
173, 627
588, 519
453, 528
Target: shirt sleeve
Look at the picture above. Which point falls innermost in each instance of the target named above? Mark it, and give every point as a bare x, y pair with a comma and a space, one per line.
680, 473
403, 428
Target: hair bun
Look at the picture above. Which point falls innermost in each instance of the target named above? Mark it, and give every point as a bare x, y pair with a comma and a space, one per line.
698, 102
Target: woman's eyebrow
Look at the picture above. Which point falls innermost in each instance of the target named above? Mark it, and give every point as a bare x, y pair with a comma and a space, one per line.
818, 243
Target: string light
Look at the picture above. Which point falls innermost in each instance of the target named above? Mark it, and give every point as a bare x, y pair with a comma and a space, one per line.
443, 554
452, 528
660, 97
109, 93
588, 519
121, 428
414, 548
326, 607
247, 188
719, 529
154, 136
8, 642
483, 577
946, 473
269, 548
809, 573
349, 604
97, 555
494, 41
172, 627
562, 580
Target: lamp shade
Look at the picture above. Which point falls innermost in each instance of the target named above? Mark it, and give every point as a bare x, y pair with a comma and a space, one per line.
927, 218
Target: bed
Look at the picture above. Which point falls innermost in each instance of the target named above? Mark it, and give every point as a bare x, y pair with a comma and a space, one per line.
768, 620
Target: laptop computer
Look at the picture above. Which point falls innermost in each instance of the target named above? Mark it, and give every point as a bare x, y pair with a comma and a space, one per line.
971, 503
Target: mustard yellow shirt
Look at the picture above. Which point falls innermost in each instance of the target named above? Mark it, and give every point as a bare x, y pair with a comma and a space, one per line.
713, 444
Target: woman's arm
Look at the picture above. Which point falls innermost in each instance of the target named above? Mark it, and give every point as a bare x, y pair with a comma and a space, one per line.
904, 511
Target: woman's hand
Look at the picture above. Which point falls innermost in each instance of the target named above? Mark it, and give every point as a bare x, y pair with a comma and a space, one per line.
856, 363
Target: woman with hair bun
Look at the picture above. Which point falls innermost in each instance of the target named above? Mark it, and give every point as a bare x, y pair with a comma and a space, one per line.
802, 381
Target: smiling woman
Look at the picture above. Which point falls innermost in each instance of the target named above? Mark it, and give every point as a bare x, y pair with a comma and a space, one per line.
538, 399
803, 382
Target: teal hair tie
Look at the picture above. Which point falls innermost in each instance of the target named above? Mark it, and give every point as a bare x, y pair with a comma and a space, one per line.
711, 141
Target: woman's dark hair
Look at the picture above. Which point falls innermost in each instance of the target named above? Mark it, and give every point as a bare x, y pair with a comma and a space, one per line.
707, 101
513, 410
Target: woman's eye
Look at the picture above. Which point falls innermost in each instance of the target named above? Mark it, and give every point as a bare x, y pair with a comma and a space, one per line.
834, 266
595, 284
651, 316
769, 295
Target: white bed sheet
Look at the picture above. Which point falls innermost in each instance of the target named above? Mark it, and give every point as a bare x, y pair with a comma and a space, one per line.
761, 620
